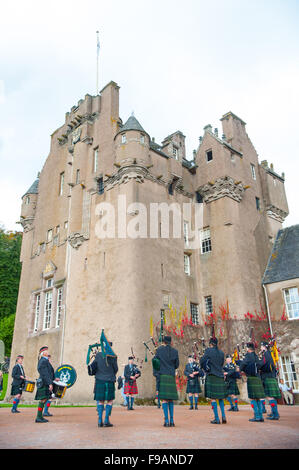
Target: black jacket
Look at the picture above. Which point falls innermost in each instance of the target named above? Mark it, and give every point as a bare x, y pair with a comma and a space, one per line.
16, 373
190, 368
169, 359
128, 372
104, 369
232, 374
267, 366
250, 365
216, 361
46, 371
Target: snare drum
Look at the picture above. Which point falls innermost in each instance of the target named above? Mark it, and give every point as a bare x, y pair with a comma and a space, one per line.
59, 389
28, 386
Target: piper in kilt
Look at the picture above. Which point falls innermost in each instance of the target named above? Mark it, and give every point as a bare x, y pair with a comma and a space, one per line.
18, 378
105, 370
215, 388
231, 373
166, 361
48, 402
251, 365
193, 372
44, 384
268, 375
131, 373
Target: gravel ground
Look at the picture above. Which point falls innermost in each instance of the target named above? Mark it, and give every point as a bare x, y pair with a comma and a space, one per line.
76, 428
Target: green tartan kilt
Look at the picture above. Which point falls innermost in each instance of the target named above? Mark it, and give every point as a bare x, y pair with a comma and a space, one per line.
232, 388
16, 390
255, 388
167, 388
42, 393
271, 388
215, 387
193, 386
104, 391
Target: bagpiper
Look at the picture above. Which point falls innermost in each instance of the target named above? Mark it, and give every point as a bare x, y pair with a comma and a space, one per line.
231, 373
268, 375
193, 372
131, 374
251, 366
48, 402
166, 361
44, 386
212, 363
18, 376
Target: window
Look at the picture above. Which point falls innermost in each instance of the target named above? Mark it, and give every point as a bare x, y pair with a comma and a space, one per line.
100, 185
289, 372
142, 139
187, 264
257, 203
205, 240
208, 304
57, 229
194, 314
61, 183
95, 160
50, 235
77, 176
209, 155
175, 153
37, 311
253, 173
166, 300
291, 299
48, 310
170, 189
66, 224
59, 306
123, 139
186, 233
27, 200
49, 283
198, 197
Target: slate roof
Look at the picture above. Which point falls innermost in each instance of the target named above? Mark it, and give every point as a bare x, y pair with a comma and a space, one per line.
33, 188
132, 125
283, 263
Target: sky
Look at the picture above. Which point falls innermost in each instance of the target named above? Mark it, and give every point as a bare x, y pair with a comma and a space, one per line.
180, 65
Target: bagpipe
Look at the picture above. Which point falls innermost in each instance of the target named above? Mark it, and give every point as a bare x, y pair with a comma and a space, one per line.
104, 346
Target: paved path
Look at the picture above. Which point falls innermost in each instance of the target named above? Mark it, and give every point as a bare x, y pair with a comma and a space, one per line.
76, 428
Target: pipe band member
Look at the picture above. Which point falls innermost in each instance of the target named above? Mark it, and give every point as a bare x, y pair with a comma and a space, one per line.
18, 376
251, 366
44, 383
131, 374
193, 372
215, 388
231, 373
166, 361
268, 375
104, 370
48, 402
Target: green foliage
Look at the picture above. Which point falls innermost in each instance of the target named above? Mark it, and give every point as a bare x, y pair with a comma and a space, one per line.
10, 271
4, 386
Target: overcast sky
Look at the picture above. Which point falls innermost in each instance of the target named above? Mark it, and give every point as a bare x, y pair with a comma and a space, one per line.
180, 64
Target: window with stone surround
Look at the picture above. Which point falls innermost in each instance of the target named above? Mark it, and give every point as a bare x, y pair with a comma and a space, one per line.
289, 372
78, 176
124, 139
253, 172
258, 203
186, 233
187, 264
208, 304
142, 139
175, 153
61, 183
48, 309
291, 299
194, 313
36, 312
59, 306
95, 160
205, 240
209, 155
50, 235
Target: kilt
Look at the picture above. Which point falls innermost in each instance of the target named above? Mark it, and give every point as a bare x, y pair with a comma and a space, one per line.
167, 388
215, 387
232, 388
104, 391
131, 389
255, 388
16, 390
42, 393
271, 388
193, 386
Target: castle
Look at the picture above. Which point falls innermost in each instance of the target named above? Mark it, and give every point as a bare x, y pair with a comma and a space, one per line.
75, 282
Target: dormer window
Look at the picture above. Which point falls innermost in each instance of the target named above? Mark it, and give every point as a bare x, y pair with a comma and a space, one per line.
124, 139
209, 155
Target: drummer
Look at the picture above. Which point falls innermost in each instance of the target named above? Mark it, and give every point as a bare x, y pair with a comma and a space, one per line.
46, 376
48, 402
18, 375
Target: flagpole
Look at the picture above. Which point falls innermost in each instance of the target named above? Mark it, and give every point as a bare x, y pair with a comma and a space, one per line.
98, 51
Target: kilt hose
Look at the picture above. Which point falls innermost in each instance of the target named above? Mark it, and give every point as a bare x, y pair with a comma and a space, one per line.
232, 388
42, 393
215, 387
193, 386
131, 389
16, 390
255, 388
271, 388
104, 391
167, 388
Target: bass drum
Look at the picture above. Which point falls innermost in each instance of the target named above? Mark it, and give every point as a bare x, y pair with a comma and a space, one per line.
66, 374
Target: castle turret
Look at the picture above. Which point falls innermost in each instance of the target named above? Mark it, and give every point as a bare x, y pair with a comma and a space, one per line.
132, 144
28, 207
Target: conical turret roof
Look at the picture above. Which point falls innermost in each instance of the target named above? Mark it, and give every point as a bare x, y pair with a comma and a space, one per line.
33, 188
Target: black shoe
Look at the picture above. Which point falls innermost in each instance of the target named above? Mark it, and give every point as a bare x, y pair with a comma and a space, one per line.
196, 408
215, 421
172, 425
100, 425
108, 425
166, 425
223, 421
41, 420
273, 418
231, 409
15, 411
131, 408
255, 420
191, 408
47, 414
